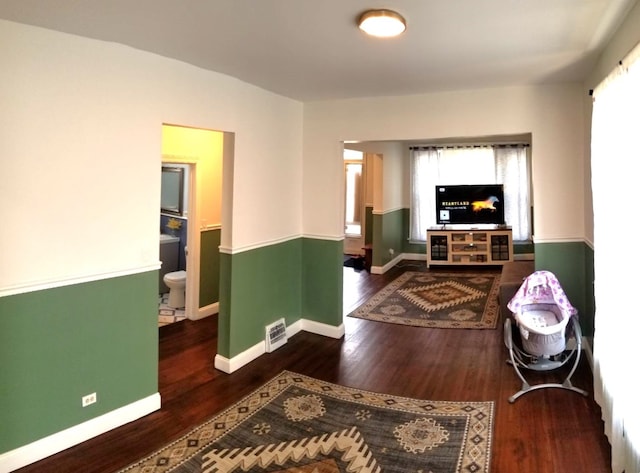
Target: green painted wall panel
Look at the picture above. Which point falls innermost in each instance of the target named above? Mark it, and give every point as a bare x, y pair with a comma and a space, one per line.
265, 284
297, 279
388, 233
224, 308
209, 267
376, 243
60, 344
322, 281
368, 225
392, 232
589, 293
572, 263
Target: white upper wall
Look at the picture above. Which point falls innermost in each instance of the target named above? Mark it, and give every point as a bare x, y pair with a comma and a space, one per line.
552, 114
80, 150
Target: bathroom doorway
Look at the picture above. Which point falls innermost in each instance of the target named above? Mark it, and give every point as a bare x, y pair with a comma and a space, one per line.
175, 205
354, 197
200, 153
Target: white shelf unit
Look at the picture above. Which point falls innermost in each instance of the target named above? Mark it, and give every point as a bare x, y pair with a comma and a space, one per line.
469, 246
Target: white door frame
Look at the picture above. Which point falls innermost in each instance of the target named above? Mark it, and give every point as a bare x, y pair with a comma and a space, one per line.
192, 289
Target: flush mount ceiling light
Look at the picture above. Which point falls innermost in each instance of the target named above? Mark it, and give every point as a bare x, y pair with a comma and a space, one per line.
382, 23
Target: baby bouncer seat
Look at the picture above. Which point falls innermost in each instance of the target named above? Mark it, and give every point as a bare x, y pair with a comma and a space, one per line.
546, 334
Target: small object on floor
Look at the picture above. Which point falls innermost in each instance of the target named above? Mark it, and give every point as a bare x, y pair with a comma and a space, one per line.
356, 262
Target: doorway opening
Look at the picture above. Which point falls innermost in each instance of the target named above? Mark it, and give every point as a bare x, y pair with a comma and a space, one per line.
199, 153
174, 231
354, 206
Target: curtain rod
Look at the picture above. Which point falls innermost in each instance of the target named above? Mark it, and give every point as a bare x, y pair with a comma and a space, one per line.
631, 56
471, 145
591, 90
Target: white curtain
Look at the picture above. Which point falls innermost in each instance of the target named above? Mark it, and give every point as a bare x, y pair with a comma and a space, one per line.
615, 169
512, 170
505, 165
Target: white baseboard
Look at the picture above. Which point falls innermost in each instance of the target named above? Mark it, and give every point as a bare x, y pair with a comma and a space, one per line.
206, 311
322, 329
45, 447
230, 365
396, 260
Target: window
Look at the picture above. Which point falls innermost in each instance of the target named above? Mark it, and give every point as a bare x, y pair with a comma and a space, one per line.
614, 183
353, 192
490, 164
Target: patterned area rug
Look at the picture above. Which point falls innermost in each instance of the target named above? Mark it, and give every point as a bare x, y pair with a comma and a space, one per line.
297, 424
438, 300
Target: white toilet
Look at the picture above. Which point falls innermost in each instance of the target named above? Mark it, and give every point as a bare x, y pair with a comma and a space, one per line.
176, 281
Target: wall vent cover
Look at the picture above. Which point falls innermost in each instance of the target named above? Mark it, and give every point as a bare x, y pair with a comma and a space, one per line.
276, 335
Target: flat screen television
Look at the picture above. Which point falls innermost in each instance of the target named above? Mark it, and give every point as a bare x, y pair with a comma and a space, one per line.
470, 204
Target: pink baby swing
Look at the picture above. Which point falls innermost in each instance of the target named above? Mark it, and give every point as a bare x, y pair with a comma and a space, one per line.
546, 334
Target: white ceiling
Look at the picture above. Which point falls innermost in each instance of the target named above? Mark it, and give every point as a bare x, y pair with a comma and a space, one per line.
312, 49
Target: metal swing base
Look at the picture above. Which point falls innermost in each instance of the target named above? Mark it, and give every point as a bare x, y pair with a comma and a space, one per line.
520, 359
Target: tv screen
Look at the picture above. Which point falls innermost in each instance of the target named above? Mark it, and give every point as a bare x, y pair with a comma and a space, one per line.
470, 204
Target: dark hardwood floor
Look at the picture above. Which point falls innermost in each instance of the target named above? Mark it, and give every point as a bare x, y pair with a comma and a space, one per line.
546, 431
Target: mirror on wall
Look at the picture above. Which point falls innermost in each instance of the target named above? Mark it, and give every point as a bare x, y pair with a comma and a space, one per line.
172, 201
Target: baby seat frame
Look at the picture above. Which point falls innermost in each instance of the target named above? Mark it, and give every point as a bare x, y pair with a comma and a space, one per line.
520, 359
545, 333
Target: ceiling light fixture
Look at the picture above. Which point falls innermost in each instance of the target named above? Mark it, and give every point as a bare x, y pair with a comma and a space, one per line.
382, 23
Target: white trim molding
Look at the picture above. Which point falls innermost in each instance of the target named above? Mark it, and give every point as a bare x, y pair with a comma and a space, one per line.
207, 311
70, 281
255, 246
230, 365
396, 260
559, 240
386, 211
47, 446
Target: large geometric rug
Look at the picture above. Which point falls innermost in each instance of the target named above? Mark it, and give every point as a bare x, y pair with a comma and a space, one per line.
437, 300
297, 424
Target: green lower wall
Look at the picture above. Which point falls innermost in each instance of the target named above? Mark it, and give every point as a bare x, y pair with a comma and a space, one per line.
388, 233
301, 278
259, 287
322, 281
572, 263
368, 225
58, 345
209, 267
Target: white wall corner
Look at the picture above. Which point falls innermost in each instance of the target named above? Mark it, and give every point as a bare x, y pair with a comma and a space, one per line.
47, 446
322, 329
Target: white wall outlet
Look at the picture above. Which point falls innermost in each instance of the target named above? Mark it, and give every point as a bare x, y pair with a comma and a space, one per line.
89, 399
391, 251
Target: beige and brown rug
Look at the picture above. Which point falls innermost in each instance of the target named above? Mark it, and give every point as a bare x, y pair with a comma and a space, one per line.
437, 300
298, 424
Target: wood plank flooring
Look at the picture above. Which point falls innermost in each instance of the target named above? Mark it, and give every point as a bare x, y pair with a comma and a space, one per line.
546, 431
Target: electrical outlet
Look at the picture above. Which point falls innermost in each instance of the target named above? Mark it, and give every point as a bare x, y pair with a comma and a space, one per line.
391, 251
89, 399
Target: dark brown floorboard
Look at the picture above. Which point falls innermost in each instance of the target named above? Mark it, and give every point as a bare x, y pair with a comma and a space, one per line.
545, 431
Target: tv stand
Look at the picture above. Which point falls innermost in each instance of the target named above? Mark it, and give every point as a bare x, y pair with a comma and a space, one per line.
469, 246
